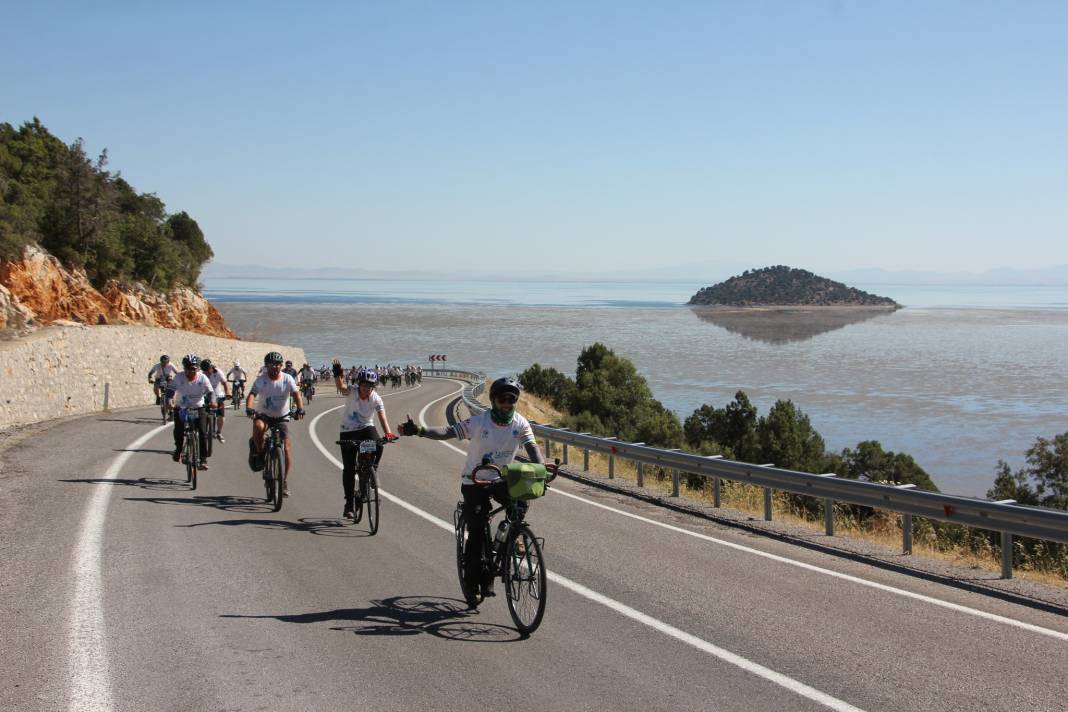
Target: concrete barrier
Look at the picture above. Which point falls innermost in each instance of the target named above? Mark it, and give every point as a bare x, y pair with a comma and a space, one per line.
63, 369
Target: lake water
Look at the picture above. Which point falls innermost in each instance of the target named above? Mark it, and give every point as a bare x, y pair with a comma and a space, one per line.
960, 378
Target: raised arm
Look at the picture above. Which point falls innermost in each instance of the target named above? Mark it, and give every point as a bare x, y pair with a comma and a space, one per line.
409, 427
339, 382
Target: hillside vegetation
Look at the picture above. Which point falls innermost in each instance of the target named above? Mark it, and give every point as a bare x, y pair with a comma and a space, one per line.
55, 196
785, 286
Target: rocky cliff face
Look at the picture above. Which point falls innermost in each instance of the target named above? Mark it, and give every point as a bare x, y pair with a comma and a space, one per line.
38, 290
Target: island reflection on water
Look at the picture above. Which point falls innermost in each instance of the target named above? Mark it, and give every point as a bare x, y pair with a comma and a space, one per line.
785, 324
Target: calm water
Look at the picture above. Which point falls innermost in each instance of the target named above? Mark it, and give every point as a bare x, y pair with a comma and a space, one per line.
967, 376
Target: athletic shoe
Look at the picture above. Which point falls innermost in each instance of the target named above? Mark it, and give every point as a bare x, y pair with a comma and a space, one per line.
158, 400
285, 492
202, 466
487, 590
349, 509
219, 437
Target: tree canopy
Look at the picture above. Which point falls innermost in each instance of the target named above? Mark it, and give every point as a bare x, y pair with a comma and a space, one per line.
55, 196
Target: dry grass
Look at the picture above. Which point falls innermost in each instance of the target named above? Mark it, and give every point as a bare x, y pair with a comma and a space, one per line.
883, 530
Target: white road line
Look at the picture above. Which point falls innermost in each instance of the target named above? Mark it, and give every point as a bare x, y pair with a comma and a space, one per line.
90, 683
784, 681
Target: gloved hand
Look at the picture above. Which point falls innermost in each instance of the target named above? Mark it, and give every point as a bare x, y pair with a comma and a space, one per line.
298, 414
409, 427
338, 370
391, 437
250, 412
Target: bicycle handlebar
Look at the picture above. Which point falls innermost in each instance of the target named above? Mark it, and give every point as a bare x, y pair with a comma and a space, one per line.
354, 443
552, 469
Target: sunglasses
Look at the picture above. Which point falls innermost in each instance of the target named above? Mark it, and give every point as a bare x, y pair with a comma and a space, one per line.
506, 398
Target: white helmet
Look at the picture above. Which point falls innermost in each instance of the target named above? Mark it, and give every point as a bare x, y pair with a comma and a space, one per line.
237, 364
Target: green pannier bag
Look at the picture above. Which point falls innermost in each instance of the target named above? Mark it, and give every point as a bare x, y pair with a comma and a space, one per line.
525, 480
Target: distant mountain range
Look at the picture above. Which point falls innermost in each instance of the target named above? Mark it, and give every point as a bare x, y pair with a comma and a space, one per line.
703, 272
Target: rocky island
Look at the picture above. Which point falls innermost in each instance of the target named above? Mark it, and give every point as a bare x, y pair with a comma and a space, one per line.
782, 286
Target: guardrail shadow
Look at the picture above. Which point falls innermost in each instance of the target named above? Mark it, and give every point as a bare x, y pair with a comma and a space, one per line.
149, 483
305, 525
146, 420
446, 618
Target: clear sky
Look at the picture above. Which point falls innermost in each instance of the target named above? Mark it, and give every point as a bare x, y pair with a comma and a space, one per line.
576, 135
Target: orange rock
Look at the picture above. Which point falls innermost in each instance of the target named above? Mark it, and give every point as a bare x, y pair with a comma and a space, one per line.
39, 290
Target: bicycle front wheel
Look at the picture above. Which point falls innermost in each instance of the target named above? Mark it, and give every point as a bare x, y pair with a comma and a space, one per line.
211, 436
524, 579
371, 498
461, 541
191, 459
278, 470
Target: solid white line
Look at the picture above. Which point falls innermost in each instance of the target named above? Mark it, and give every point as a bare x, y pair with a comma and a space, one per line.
784, 681
90, 683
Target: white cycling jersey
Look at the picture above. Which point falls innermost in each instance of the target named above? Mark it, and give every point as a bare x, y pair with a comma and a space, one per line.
164, 372
273, 396
359, 413
236, 374
498, 442
191, 393
218, 382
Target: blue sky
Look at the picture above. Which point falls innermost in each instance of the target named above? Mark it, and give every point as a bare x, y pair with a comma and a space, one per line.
575, 136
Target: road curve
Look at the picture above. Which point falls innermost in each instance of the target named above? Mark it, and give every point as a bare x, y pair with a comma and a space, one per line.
124, 590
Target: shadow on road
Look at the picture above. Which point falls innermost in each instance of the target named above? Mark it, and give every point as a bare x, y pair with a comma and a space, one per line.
307, 525
446, 618
149, 483
228, 503
135, 421
151, 450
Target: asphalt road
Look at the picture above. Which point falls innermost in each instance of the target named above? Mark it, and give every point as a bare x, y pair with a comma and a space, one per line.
122, 589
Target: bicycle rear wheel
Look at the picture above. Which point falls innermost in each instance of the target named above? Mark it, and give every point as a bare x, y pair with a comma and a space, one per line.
371, 498
191, 459
279, 471
524, 579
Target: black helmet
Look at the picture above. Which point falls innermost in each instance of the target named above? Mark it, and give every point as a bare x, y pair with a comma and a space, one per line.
504, 385
190, 361
273, 357
164, 358
205, 365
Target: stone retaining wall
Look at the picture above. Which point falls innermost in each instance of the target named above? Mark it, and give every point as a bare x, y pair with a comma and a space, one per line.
61, 370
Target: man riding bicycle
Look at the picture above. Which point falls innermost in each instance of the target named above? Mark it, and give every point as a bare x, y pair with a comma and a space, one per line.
191, 391
272, 390
495, 435
361, 406
222, 393
161, 373
237, 376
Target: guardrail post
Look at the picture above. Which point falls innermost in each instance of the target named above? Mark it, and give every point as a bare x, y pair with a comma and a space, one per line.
674, 483
565, 453
828, 510
641, 474
548, 449
1006, 555
715, 492
585, 459
767, 504
107, 393
906, 526
611, 463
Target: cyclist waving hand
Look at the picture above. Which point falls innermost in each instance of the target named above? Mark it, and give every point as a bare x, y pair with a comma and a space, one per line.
495, 434
361, 405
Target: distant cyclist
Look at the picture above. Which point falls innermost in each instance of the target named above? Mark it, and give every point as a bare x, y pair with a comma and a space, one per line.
495, 434
222, 393
237, 376
361, 406
191, 392
160, 373
271, 392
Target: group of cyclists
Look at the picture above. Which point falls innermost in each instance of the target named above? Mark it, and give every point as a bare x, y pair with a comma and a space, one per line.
396, 376
494, 436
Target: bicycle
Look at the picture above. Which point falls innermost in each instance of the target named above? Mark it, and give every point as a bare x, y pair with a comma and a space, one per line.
515, 554
165, 395
274, 450
366, 479
191, 449
238, 394
307, 391
212, 424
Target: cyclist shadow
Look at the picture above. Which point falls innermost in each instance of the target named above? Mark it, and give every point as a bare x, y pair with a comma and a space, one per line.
446, 618
149, 483
228, 503
306, 525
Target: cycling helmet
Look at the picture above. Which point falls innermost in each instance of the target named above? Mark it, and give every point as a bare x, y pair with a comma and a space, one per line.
190, 361
366, 375
237, 364
205, 365
164, 358
273, 357
504, 385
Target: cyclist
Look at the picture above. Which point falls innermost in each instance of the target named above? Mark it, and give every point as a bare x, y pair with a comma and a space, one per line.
191, 389
222, 393
272, 390
358, 424
495, 434
307, 379
161, 373
291, 371
237, 376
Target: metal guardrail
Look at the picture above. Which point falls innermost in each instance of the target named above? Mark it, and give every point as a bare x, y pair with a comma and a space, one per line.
1006, 517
